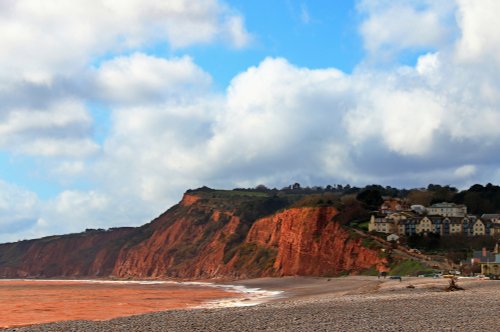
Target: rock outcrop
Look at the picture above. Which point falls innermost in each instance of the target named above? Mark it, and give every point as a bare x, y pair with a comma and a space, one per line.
204, 236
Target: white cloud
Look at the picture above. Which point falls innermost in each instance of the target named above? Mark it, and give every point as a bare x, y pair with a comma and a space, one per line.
480, 41
49, 48
465, 171
394, 26
62, 129
277, 123
140, 78
66, 36
406, 121
274, 112
18, 211
305, 16
14, 198
236, 33
79, 204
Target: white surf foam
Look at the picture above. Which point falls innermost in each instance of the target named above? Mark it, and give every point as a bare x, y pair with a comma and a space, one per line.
250, 297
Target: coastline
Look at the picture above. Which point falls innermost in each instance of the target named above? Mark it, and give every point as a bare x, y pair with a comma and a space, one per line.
26, 302
327, 304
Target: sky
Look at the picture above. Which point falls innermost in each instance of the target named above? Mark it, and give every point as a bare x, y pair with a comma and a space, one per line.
111, 109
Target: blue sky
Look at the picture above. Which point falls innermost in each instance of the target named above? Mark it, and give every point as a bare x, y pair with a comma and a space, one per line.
314, 34
111, 110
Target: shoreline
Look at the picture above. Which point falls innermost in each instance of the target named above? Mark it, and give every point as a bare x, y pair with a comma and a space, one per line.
27, 302
311, 304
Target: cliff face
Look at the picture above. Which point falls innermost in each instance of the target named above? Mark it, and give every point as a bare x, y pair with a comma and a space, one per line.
309, 242
202, 237
87, 254
188, 243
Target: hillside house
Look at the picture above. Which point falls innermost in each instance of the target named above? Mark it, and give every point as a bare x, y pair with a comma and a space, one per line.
393, 205
490, 261
407, 225
447, 210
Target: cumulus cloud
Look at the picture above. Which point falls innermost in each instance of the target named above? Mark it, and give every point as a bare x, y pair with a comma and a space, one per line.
465, 171
51, 70
276, 123
49, 47
274, 113
18, 210
65, 36
141, 78
394, 26
62, 129
479, 42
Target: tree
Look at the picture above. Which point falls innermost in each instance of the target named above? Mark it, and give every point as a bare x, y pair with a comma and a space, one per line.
420, 197
261, 187
371, 198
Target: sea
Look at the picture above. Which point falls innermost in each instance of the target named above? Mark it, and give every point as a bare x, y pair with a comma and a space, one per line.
35, 301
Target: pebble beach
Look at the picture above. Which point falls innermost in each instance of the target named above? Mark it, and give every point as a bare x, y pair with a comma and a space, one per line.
327, 304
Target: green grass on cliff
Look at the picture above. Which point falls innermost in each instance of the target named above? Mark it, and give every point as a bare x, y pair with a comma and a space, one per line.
255, 258
242, 193
220, 193
409, 267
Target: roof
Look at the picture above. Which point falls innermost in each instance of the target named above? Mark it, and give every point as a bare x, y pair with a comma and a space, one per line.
446, 205
489, 216
434, 216
395, 204
385, 221
478, 255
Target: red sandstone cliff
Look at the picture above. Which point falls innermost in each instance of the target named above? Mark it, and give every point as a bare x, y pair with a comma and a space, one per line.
202, 237
309, 242
88, 254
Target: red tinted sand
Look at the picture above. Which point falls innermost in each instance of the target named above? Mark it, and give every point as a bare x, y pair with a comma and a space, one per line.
34, 302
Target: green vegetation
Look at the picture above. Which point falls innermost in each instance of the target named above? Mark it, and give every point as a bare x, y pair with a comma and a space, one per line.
254, 257
372, 271
353, 235
363, 225
219, 193
184, 252
137, 236
409, 267
478, 198
370, 243
371, 198
455, 247
318, 200
14, 253
351, 211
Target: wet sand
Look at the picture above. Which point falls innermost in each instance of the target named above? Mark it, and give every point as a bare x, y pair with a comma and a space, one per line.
306, 287
39, 301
